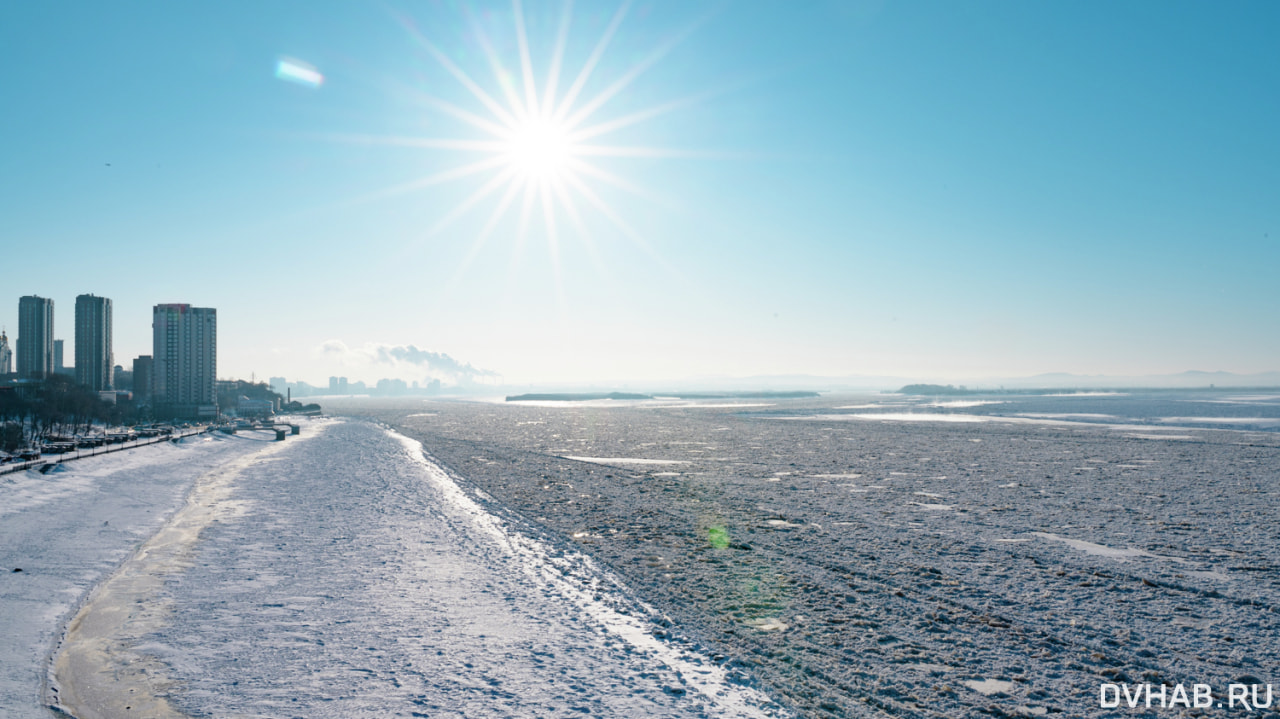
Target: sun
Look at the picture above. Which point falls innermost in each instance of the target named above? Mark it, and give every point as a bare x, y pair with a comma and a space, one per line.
537, 137
540, 149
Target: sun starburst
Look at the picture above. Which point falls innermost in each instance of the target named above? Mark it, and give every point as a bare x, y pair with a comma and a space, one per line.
537, 142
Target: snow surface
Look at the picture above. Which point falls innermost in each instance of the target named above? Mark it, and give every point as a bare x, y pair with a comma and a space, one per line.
68, 529
356, 579
1072, 555
625, 460
360, 579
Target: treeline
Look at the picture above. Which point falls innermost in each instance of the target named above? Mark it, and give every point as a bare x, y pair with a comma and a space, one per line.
55, 406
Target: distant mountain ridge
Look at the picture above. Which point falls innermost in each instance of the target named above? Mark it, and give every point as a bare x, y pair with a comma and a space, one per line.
1190, 378
758, 384
1048, 380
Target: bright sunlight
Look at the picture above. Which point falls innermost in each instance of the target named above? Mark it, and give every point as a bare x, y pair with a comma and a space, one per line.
540, 149
536, 138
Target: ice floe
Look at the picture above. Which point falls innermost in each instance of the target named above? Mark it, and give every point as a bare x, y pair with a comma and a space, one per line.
626, 460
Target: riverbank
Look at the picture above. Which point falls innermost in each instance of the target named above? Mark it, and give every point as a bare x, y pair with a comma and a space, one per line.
101, 669
63, 532
47, 462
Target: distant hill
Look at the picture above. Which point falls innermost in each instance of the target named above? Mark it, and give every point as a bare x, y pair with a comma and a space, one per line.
936, 390
1181, 380
787, 386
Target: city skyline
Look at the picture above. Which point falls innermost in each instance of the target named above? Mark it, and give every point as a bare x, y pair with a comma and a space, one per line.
395, 379
177, 379
832, 189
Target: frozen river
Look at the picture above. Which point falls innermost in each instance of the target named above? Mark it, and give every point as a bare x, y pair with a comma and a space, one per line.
346, 575
1006, 564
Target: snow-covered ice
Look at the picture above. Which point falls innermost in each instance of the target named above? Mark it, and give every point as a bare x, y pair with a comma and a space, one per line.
1160, 566
1002, 567
625, 460
352, 577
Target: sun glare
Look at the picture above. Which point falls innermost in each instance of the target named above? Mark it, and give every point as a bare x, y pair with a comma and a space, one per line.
540, 149
537, 139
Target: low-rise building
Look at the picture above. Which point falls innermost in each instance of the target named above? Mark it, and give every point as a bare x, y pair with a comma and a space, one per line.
246, 407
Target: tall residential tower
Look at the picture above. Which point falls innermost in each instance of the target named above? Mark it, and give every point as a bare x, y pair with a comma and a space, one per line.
184, 361
142, 373
35, 337
94, 361
6, 355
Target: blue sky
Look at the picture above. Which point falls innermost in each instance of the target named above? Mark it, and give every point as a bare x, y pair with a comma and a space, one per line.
934, 190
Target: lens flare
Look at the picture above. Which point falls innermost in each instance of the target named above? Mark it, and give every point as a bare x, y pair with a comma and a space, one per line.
299, 72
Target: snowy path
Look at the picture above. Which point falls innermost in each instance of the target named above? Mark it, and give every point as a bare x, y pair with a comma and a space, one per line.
68, 529
355, 579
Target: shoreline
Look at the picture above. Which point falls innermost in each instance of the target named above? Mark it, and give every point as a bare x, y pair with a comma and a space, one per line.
95, 671
36, 464
67, 531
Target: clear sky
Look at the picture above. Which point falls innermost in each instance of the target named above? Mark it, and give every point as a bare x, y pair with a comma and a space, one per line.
935, 190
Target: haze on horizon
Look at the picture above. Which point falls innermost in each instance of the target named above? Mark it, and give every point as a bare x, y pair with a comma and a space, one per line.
654, 191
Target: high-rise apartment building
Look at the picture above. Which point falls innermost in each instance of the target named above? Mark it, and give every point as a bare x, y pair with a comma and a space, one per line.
35, 337
6, 355
58, 366
184, 360
143, 368
94, 362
